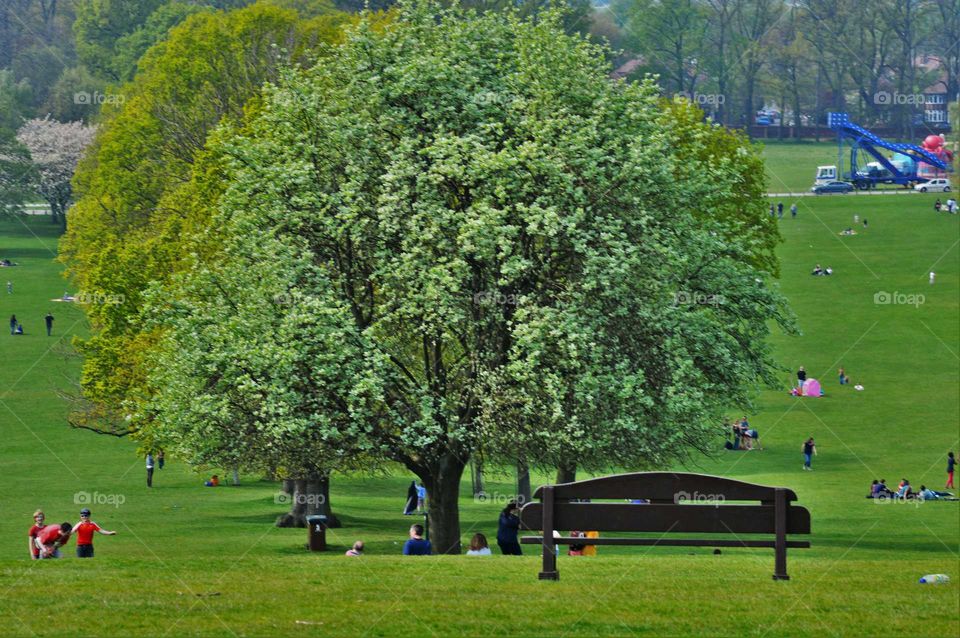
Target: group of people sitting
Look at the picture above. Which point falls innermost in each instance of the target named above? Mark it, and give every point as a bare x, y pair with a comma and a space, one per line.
820, 271
744, 437
879, 489
949, 207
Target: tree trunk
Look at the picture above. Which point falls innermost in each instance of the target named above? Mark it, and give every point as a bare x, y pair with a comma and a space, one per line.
288, 486
297, 516
443, 490
567, 472
476, 478
523, 481
325, 508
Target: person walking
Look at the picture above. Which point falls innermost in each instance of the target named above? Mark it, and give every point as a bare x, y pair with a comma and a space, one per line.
951, 464
160, 459
793, 210
149, 469
10, 283
508, 529
13, 324
809, 451
780, 210
49, 321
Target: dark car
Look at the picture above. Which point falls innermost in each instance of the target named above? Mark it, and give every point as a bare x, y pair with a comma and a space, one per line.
832, 187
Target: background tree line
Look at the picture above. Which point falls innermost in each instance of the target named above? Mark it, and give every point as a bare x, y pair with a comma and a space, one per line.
807, 57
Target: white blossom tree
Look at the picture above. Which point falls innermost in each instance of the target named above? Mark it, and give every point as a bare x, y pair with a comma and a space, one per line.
478, 240
55, 148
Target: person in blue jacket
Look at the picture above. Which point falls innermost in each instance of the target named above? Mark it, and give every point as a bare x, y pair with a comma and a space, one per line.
508, 529
417, 545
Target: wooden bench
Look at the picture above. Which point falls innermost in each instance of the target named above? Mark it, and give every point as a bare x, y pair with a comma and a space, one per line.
678, 503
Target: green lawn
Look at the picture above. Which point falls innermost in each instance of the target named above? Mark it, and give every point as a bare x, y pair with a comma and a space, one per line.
792, 166
195, 561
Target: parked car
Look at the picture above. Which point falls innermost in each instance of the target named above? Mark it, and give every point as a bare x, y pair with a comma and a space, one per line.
938, 185
832, 187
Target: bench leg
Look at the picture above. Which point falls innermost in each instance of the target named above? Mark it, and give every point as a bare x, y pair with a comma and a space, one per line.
549, 571
780, 545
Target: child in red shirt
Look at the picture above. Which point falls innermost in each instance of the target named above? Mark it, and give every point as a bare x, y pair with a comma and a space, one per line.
84, 531
32, 534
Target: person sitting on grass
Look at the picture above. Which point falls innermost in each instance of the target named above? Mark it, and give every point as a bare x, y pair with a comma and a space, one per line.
213, 482
874, 487
417, 545
883, 491
904, 490
576, 549
818, 270
479, 546
356, 550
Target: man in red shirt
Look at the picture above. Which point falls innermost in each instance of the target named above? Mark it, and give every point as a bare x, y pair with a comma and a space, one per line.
32, 534
51, 538
84, 531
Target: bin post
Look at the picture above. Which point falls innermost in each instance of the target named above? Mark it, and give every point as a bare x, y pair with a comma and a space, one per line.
317, 533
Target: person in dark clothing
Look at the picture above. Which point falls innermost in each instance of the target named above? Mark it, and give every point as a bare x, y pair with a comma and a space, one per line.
780, 210
411, 505
417, 545
508, 529
951, 464
13, 324
149, 465
809, 451
801, 377
49, 320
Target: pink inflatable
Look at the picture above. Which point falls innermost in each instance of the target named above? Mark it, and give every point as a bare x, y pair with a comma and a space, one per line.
811, 388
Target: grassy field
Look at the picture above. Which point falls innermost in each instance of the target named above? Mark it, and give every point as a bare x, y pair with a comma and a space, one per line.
195, 561
792, 166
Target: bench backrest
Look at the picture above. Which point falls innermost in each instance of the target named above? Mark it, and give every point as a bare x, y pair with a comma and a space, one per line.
678, 502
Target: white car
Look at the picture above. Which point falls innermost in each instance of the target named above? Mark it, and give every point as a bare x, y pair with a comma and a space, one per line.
939, 185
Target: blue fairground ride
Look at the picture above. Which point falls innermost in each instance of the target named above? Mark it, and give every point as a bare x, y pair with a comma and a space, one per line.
869, 166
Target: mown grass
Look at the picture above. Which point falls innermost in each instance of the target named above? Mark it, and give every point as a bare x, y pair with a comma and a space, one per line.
190, 560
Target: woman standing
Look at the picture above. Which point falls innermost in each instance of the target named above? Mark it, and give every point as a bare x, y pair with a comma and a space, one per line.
411, 505
508, 529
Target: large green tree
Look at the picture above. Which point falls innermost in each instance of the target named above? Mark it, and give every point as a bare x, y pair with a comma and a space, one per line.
486, 242
136, 199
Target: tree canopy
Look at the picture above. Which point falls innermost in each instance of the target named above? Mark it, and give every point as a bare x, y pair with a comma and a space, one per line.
456, 232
